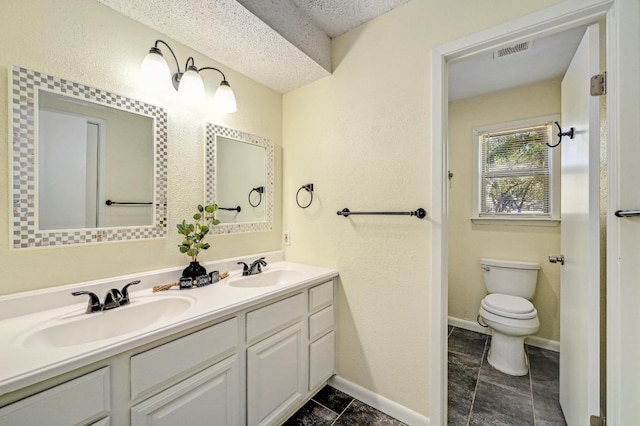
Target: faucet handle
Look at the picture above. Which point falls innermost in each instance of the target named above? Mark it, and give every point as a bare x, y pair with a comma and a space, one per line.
262, 262
245, 268
94, 301
125, 292
112, 299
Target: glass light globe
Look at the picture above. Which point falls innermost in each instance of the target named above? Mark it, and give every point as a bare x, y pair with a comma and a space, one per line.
191, 85
224, 99
154, 72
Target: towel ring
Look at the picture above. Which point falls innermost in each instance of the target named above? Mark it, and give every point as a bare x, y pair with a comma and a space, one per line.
309, 188
260, 191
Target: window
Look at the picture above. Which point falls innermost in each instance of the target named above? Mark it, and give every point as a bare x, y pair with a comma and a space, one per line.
515, 176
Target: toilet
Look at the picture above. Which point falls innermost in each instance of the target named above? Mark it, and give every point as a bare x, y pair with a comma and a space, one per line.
507, 310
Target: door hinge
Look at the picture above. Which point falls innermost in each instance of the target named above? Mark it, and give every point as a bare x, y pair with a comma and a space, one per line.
597, 421
599, 84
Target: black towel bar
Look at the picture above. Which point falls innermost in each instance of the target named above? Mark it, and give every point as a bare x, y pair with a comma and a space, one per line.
420, 213
237, 209
627, 213
126, 203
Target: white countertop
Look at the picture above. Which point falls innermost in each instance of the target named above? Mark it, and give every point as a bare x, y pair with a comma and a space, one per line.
22, 366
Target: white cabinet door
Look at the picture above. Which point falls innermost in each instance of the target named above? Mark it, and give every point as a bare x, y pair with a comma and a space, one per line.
322, 360
275, 376
209, 398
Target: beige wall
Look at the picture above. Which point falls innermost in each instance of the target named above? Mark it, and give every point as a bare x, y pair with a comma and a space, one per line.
468, 242
87, 42
362, 137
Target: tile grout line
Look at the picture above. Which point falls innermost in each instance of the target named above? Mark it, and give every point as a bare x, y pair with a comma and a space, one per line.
324, 406
533, 406
345, 409
475, 390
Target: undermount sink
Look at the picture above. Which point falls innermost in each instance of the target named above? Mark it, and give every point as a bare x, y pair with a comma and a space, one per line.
267, 278
78, 329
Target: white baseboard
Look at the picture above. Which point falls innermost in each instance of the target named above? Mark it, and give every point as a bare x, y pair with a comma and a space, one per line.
379, 402
468, 325
539, 342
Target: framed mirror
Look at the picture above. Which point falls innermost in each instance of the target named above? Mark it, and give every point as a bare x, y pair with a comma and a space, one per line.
239, 174
89, 166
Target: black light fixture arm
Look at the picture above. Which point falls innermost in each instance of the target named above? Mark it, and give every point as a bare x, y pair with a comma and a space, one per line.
215, 69
157, 50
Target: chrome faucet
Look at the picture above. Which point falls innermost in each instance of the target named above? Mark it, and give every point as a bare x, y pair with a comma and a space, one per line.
113, 299
255, 268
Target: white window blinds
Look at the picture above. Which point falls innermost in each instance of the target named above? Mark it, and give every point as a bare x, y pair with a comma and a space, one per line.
515, 172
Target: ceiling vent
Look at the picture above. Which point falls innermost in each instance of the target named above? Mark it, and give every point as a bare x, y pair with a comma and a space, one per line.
510, 50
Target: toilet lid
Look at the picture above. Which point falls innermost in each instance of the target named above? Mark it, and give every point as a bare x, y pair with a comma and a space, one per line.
509, 306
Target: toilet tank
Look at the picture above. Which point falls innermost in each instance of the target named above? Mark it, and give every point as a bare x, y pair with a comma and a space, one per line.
516, 278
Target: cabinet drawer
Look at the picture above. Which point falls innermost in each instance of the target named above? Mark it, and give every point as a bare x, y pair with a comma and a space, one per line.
321, 360
74, 402
265, 321
320, 323
162, 364
320, 296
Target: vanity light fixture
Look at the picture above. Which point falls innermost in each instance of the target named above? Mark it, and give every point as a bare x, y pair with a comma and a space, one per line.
189, 84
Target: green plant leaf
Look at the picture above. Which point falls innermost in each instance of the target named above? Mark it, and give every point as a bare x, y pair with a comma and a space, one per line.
200, 208
197, 216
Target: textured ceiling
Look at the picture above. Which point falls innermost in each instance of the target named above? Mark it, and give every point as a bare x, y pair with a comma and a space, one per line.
336, 17
283, 44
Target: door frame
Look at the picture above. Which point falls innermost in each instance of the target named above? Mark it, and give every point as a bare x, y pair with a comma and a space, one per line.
560, 17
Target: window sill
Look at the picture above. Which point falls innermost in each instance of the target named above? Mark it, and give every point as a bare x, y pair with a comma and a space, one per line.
515, 221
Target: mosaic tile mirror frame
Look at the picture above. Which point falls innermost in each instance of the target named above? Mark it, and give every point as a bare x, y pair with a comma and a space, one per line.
212, 131
25, 233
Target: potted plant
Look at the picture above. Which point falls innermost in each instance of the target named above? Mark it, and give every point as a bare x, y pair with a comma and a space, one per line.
194, 234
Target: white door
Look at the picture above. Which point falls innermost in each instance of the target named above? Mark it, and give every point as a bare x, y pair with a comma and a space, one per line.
623, 266
68, 171
580, 287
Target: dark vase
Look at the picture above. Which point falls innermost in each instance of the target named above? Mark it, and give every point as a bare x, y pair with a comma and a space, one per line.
194, 270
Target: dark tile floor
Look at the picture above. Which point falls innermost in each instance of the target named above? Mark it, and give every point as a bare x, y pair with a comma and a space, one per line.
333, 407
481, 395
478, 393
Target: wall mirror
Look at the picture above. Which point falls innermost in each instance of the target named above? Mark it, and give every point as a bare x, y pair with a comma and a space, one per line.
89, 166
239, 179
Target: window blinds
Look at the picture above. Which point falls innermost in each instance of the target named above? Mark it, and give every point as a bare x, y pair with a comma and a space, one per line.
515, 171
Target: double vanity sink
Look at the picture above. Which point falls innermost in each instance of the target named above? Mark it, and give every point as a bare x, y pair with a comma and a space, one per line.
145, 312
48, 342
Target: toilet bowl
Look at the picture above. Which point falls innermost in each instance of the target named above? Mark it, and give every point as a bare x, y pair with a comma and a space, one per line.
508, 312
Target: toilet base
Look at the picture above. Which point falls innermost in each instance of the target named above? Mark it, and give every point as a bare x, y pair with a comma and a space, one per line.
506, 354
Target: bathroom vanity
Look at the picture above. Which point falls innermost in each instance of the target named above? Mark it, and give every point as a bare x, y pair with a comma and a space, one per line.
246, 350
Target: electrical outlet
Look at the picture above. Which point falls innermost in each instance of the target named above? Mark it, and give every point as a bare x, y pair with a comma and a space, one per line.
286, 238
